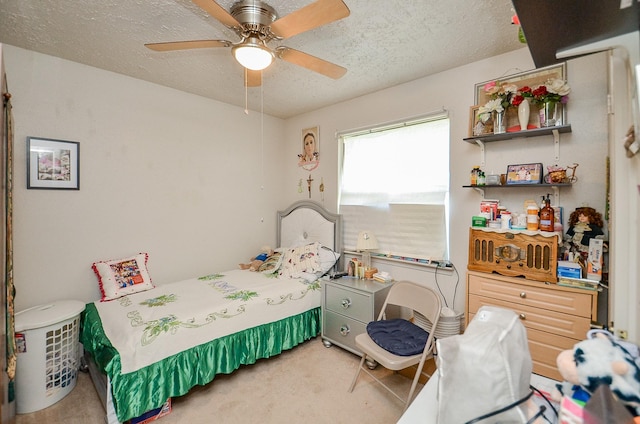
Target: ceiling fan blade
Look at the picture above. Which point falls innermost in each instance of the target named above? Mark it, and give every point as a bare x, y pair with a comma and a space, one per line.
252, 78
309, 17
313, 63
185, 45
218, 12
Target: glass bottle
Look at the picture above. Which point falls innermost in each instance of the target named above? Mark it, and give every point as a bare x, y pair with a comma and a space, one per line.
547, 220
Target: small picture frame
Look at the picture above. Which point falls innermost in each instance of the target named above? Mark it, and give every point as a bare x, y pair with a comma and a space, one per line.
476, 126
524, 173
53, 164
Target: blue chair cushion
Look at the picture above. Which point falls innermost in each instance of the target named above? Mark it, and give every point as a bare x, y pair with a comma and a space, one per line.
398, 336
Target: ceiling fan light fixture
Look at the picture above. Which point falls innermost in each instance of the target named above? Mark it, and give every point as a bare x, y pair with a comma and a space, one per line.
253, 54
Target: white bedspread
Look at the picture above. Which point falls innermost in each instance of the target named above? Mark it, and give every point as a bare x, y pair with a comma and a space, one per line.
153, 325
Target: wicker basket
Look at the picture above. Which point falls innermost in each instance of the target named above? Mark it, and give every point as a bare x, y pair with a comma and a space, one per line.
559, 176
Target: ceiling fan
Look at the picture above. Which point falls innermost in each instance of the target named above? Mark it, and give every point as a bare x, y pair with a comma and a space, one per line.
257, 24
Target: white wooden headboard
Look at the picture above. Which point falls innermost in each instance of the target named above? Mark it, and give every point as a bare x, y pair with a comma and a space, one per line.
307, 221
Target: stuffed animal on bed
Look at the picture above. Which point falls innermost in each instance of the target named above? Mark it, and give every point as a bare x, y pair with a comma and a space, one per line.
258, 260
597, 361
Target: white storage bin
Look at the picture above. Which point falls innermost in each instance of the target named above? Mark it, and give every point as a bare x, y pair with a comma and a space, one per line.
449, 324
48, 347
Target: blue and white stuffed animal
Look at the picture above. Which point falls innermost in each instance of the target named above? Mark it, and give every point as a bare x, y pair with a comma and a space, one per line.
601, 360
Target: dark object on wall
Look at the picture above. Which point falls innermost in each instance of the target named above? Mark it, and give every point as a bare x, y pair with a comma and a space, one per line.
8, 354
53, 164
551, 25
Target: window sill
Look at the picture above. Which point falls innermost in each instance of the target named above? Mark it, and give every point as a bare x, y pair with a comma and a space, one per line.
425, 263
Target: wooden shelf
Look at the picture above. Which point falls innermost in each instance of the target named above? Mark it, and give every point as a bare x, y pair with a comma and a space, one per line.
554, 187
519, 185
518, 134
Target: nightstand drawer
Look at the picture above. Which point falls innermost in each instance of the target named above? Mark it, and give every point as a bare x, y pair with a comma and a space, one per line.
579, 304
354, 304
341, 329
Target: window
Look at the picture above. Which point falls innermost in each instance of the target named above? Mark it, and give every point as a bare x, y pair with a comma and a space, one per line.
394, 182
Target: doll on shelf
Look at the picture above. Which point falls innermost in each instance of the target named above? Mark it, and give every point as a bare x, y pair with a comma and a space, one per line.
584, 224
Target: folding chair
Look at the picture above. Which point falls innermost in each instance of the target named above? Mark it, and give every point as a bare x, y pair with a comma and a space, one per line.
419, 299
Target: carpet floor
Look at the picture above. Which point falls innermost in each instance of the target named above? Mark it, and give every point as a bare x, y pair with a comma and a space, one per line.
307, 384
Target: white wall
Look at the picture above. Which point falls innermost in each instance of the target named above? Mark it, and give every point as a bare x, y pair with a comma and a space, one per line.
161, 171
179, 176
453, 90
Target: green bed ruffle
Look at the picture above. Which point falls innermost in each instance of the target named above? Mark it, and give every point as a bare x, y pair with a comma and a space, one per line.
148, 388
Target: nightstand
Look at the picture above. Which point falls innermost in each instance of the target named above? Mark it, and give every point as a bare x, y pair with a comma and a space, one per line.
348, 305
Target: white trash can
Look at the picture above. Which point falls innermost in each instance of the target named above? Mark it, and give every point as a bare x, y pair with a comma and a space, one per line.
48, 348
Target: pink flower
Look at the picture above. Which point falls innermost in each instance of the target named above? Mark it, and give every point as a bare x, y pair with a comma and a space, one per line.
489, 87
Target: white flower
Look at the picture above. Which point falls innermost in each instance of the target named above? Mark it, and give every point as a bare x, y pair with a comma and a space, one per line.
484, 112
510, 88
558, 86
494, 105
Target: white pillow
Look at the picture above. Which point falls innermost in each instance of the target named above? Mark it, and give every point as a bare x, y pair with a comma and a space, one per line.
308, 277
120, 277
328, 258
300, 259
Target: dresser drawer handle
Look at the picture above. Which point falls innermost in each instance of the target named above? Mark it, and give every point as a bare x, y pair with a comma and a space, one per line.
346, 303
344, 329
523, 295
523, 316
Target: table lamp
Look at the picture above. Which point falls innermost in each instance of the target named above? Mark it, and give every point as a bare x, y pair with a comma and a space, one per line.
366, 242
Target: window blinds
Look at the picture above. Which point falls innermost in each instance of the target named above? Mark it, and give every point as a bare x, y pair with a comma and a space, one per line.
395, 183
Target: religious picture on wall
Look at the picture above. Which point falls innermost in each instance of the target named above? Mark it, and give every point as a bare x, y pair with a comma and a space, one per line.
309, 159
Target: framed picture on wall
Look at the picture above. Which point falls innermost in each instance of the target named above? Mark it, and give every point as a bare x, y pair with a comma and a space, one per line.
53, 164
309, 159
532, 79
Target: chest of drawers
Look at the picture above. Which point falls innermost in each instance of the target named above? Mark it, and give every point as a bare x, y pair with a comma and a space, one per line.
555, 317
348, 305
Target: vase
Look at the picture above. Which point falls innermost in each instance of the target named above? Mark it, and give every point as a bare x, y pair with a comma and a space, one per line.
498, 122
523, 114
548, 114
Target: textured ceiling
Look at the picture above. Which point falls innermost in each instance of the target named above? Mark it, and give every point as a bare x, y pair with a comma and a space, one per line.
382, 43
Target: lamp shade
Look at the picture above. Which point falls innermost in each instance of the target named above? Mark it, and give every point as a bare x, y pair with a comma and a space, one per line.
366, 241
253, 54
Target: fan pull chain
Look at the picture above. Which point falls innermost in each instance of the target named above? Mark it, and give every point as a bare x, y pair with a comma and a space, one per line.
262, 131
246, 91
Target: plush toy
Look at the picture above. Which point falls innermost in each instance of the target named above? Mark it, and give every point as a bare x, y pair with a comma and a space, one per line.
255, 263
597, 361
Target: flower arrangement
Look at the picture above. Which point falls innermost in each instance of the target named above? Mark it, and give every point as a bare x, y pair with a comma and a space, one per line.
501, 96
554, 90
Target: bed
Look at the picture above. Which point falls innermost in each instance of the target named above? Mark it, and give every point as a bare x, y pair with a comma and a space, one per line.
148, 346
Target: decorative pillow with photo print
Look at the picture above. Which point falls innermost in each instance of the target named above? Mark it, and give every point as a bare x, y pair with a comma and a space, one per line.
120, 277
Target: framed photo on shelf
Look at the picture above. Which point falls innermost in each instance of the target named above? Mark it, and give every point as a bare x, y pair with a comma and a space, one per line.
524, 173
53, 164
532, 79
476, 126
